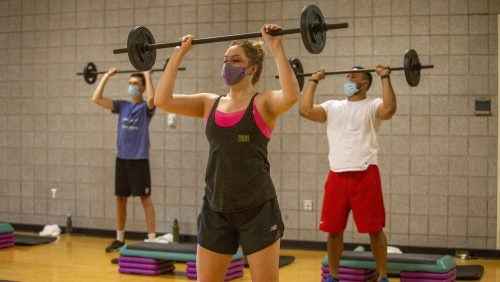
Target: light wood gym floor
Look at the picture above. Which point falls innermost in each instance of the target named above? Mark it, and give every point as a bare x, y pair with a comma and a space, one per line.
81, 258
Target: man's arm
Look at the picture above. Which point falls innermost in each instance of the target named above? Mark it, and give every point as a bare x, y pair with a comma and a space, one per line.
388, 107
97, 97
150, 90
307, 108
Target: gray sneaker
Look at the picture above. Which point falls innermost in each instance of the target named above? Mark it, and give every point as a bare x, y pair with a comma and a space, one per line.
331, 279
115, 246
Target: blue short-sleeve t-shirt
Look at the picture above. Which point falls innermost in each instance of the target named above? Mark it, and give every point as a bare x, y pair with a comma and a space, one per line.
132, 137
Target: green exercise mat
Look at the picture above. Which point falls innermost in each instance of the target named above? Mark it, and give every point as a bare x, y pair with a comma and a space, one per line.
6, 228
166, 252
397, 262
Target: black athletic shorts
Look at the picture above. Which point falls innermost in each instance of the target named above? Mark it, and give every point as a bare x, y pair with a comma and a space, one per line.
254, 229
132, 177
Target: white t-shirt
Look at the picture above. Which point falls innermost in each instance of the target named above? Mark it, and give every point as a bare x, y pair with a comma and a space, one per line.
352, 131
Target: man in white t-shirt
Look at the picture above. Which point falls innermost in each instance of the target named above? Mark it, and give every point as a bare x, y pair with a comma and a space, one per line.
353, 181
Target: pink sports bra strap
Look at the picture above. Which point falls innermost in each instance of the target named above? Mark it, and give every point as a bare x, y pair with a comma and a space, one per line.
223, 119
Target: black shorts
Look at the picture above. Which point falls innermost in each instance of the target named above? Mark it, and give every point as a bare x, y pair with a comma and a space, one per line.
132, 177
254, 229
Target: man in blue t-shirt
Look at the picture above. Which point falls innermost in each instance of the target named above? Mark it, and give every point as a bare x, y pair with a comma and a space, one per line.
132, 176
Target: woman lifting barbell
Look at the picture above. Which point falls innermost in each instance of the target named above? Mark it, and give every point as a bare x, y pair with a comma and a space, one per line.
240, 204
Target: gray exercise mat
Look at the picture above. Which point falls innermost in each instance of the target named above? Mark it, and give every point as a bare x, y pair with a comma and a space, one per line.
30, 240
470, 272
400, 258
185, 248
284, 260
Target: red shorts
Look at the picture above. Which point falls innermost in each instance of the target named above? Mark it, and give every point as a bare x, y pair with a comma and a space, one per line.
360, 191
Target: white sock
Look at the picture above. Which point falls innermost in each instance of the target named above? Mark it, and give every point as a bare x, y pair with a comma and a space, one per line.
120, 235
151, 236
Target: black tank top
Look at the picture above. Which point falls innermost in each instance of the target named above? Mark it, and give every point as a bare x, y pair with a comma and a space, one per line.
237, 176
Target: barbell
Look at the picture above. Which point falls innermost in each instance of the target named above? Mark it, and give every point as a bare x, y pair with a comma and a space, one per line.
141, 46
90, 72
411, 67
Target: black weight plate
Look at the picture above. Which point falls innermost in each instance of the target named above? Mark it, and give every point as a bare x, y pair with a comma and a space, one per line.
297, 69
312, 29
141, 58
412, 67
90, 73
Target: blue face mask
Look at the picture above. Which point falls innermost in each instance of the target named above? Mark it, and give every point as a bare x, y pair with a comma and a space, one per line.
133, 91
231, 74
350, 88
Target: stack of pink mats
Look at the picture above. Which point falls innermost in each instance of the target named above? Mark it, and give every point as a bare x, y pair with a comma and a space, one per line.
145, 266
6, 235
234, 270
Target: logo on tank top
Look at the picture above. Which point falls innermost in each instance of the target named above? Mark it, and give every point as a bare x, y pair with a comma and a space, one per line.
243, 138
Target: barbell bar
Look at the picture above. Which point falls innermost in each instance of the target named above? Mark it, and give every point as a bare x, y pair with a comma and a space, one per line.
411, 67
90, 72
141, 46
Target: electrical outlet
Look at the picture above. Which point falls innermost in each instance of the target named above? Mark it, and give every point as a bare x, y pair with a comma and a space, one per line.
171, 120
53, 192
308, 205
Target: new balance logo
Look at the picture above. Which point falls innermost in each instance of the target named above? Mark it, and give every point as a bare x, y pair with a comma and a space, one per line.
243, 138
274, 228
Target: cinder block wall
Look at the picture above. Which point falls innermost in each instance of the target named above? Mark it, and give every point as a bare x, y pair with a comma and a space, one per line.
438, 160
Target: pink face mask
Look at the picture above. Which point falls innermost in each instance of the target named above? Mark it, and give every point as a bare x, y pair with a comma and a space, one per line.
231, 74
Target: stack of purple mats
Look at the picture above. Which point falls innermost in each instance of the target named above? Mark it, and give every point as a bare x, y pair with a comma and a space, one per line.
6, 235
234, 270
358, 274
351, 274
145, 266
419, 276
